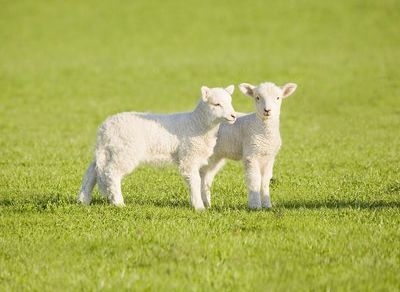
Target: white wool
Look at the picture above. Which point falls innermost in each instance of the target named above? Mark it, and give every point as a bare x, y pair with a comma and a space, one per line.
129, 139
255, 139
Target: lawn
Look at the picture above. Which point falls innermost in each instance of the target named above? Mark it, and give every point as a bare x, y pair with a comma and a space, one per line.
67, 65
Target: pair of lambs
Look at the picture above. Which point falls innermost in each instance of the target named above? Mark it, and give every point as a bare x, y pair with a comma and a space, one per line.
198, 142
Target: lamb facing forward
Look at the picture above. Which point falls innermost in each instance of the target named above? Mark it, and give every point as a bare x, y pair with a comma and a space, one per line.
128, 139
255, 139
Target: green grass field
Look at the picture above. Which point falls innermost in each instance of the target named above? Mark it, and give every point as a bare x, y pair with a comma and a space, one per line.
67, 65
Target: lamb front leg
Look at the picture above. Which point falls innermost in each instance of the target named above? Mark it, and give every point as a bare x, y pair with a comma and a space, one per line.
266, 179
207, 174
253, 181
192, 178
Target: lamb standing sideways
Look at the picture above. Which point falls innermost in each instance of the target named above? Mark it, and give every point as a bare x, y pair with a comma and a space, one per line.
255, 139
128, 139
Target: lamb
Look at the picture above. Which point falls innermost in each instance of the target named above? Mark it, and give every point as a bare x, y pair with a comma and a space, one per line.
255, 139
128, 139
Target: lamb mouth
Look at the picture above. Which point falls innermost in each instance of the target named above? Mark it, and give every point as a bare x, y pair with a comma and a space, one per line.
230, 121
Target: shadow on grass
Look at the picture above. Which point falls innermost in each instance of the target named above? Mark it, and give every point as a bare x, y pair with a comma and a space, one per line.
43, 202
51, 202
46, 202
295, 204
161, 203
338, 204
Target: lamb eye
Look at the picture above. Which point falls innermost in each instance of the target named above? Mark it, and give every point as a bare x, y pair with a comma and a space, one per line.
278, 98
257, 98
217, 104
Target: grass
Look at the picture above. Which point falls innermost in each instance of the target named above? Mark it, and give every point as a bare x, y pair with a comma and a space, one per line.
66, 66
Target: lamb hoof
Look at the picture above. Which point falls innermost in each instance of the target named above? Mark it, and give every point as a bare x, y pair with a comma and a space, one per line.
83, 200
254, 206
119, 205
207, 204
267, 204
200, 209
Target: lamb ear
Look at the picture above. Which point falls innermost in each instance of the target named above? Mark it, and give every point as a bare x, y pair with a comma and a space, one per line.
288, 89
247, 89
230, 89
205, 93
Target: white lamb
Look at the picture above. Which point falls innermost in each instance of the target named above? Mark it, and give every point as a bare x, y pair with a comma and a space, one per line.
128, 139
255, 139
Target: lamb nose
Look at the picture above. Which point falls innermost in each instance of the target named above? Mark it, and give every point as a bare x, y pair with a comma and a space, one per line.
234, 117
267, 110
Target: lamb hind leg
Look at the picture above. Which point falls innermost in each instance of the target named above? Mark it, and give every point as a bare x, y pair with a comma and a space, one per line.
253, 181
115, 192
110, 186
88, 183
